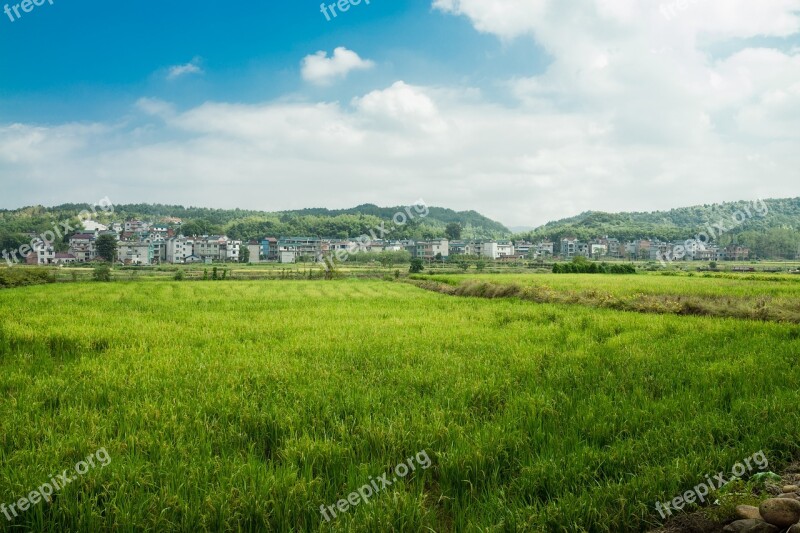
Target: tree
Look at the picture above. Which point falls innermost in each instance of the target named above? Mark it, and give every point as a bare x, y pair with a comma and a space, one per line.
179, 275
106, 248
102, 273
453, 231
199, 227
417, 266
480, 265
244, 254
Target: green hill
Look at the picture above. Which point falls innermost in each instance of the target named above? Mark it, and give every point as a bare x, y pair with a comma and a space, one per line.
771, 230
249, 224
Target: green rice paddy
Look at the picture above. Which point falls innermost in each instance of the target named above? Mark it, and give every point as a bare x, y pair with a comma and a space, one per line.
247, 405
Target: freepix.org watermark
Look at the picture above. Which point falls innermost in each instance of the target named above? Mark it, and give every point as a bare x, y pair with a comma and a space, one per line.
670, 10
374, 486
418, 210
700, 491
712, 232
58, 232
45, 490
26, 6
329, 10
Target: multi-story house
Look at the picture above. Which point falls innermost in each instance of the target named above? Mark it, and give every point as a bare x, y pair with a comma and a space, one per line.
524, 248
269, 249
136, 226
232, 248
82, 246
135, 253
430, 249
545, 248
488, 249
44, 254
569, 247
597, 249
293, 249
254, 252
178, 249
505, 249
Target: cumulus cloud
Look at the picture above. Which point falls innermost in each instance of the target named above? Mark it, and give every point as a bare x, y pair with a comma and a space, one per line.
178, 71
323, 70
632, 113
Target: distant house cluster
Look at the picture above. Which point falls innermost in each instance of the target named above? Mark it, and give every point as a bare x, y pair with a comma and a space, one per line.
651, 250
145, 243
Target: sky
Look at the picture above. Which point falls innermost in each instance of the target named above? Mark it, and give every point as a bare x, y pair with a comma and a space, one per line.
523, 110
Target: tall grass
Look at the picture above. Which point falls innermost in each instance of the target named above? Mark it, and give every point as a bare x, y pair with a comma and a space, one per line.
246, 406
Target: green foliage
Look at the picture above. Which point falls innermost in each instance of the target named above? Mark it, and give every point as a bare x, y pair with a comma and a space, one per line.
581, 265
179, 275
21, 276
106, 248
417, 266
453, 231
214, 273
536, 417
773, 235
102, 273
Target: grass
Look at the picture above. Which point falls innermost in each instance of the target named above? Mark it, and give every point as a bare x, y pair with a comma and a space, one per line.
757, 297
247, 405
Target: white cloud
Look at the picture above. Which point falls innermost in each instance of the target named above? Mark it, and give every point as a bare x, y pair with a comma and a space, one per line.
632, 113
322, 70
177, 71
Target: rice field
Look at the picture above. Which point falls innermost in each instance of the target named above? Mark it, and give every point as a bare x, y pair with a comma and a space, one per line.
757, 296
246, 406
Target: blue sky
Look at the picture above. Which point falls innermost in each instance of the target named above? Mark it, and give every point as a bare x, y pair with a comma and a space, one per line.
524, 110
107, 55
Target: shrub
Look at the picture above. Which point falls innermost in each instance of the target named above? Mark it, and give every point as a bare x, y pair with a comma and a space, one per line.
102, 273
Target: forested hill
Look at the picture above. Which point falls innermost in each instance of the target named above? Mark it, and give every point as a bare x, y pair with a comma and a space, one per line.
249, 224
673, 224
773, 228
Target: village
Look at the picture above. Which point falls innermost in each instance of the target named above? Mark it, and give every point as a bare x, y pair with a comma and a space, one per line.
151, 243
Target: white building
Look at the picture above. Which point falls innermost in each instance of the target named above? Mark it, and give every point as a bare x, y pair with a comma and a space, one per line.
45, 255
179, 249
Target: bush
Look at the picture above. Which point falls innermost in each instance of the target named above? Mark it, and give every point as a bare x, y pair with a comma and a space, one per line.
19, 277
586, 267
416, 266
102, 273
179, 275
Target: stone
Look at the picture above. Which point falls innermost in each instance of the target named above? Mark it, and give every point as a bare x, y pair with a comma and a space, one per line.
748, 511
790, 495
794, 529
750, 525
781, 512
791, 488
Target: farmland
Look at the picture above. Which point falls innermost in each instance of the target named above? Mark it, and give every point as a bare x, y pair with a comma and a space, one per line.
246, 405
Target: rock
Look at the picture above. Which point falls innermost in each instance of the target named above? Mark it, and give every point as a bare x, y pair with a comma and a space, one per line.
781, 512
789, 495
748, 511
791, 488
750, 525
794, 529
